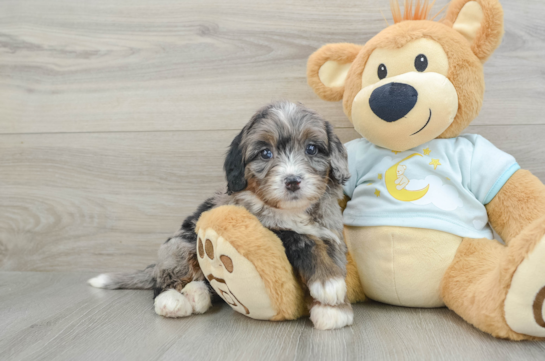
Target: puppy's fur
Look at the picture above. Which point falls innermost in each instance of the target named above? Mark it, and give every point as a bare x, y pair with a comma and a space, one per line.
286, 167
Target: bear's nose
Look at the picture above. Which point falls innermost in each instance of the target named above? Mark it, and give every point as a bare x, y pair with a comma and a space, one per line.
393, 101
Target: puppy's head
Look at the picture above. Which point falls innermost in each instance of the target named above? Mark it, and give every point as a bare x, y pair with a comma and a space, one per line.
287, 156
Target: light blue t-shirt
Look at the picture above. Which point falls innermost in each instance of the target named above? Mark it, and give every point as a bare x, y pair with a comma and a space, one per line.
442, 185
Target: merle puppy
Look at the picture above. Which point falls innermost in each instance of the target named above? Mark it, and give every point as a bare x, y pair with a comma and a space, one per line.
287, 168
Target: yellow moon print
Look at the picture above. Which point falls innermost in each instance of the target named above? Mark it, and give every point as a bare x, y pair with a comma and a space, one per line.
403, 194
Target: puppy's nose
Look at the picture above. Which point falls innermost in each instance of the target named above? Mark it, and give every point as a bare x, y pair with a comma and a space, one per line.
393, 101
292, 183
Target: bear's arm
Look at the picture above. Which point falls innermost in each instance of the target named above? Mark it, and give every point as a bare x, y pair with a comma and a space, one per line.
519, 202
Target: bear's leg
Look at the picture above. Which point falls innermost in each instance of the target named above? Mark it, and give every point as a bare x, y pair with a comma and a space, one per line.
500, 289
354, 289
246, 265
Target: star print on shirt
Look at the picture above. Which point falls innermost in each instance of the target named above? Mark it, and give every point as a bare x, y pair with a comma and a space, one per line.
435, 163
426, 151
379, 176
377, 192
395, 152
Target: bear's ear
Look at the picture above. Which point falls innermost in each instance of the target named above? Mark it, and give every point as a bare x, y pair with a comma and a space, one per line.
328, 67
480, 22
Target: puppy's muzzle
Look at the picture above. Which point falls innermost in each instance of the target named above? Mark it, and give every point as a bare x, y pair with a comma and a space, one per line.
393, 101
292, 183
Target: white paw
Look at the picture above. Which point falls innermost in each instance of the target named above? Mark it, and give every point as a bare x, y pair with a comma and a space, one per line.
331, 292
99, 281
172, 303
198, 294
326, 317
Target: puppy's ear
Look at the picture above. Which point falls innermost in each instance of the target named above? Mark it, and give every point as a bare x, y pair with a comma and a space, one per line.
337, 157
234, 166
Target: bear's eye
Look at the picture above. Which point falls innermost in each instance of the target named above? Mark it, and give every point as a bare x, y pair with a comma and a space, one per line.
382, 71
421, 63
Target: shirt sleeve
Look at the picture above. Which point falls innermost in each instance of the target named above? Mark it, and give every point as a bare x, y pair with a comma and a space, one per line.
490, 169
350, 185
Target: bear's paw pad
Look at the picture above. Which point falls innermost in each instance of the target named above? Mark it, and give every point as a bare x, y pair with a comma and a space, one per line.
234, 278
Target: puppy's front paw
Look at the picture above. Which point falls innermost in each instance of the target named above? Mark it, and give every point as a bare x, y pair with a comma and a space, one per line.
330, 292
172, 303
198, 294
325, 317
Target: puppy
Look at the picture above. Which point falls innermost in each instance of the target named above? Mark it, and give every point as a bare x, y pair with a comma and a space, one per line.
287, 168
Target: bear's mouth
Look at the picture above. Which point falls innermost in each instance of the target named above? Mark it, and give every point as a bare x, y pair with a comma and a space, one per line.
425, 125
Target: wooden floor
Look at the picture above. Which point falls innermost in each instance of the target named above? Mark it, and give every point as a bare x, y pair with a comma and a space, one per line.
55, 316
114, 118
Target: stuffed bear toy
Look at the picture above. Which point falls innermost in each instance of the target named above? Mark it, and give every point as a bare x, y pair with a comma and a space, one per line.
421, 197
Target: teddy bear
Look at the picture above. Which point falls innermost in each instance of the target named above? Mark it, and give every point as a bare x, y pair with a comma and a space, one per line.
409, 92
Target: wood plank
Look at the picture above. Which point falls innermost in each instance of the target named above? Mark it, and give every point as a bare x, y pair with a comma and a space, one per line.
70, 66
70, 198
106, 201
73, 321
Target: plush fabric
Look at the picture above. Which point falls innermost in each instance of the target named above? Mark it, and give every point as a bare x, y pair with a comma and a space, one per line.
265, 251
229, 273
520, 203
477, 282
333, 74
237, 234
387, 125
468, 22
489, 36
498, 288
402, 266
354, 290
418, 10
524, 304
340, 54
429, 170
465, 69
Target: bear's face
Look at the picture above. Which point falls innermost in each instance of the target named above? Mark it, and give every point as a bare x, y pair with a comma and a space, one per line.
407, 85
416, 80
400, 170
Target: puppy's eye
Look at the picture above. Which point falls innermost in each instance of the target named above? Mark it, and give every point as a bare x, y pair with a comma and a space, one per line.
311, 149
382, 71
266, 154
421, 63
